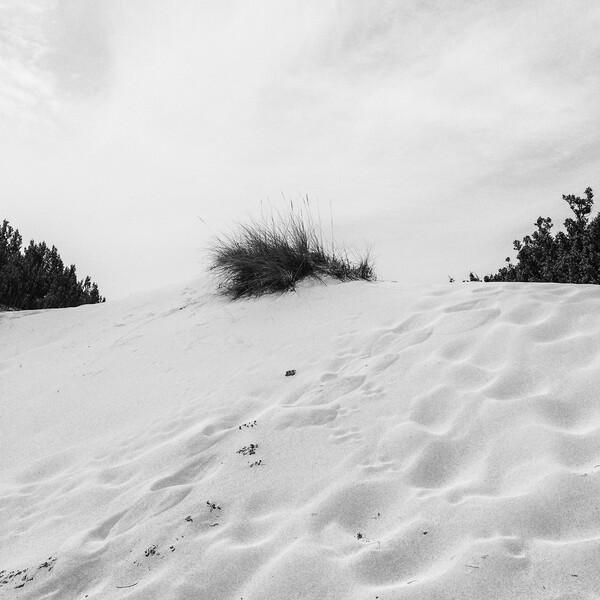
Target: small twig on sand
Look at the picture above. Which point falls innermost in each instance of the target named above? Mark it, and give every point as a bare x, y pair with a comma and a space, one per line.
126, 586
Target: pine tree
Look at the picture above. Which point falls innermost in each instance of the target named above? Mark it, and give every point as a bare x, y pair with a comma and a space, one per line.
36, 277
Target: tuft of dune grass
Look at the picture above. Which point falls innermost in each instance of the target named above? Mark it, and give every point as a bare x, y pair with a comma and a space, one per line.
273, 255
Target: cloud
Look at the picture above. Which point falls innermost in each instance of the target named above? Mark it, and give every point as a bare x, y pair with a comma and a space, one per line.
79, 48
27, 91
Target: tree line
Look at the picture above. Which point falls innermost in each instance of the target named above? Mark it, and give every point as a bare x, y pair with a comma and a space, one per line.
570, 256
35, 276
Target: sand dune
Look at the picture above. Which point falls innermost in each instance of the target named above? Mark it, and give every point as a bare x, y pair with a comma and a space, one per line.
435, 442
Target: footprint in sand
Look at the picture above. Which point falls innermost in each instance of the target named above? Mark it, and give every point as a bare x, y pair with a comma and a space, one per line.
520, 383
462, 306
103, 529
330, 386
377, 467
305, 416
462, 320
195, 470
399, 339
341, 435
443, 462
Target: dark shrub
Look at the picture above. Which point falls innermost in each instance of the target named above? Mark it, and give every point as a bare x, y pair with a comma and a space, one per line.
572, 256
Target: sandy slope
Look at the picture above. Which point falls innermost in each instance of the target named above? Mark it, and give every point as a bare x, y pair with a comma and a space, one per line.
435, 442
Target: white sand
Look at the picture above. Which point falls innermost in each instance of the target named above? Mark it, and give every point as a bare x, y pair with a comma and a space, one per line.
435, 442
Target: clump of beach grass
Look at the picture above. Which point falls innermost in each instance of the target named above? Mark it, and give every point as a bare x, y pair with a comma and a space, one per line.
273, 254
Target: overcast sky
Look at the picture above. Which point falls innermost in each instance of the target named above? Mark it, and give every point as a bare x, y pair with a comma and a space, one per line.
436, 131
